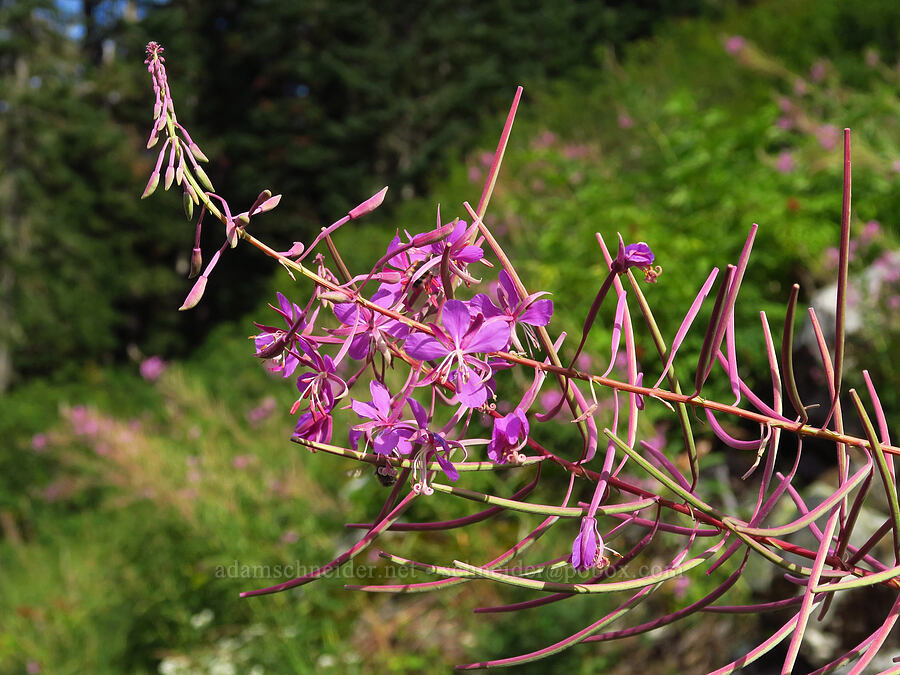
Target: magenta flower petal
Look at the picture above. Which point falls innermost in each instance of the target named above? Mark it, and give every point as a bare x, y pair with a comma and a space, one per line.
381, 397
471, 392
456, 319
424, 347
483, 304
538, 314
493, 336
418, 412
586, 545
385, 443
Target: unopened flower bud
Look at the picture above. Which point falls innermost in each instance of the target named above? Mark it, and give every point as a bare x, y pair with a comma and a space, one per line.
196, 262
151, 185
198, 154
231, 233
188, 204
204, 179
434, 236
194, 296
170, 176
334, 296
369, 205
268, 204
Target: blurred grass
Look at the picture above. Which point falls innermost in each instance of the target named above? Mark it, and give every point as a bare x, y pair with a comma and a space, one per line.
113, 533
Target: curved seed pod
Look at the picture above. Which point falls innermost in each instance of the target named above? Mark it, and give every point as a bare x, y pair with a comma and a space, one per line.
787, 355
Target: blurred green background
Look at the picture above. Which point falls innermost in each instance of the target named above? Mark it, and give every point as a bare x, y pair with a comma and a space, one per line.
145, 449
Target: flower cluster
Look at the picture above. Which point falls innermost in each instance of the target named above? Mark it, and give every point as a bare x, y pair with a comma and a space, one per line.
440, 392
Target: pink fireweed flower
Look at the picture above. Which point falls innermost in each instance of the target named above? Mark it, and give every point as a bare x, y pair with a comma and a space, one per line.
588, 548
314, 426
635, 255
508, 437
434, 445
386, 432
369, 330
317, 385
456, 344
276, 343
513, 308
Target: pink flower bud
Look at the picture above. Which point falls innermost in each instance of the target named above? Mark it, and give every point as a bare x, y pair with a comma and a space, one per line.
369, 205
170, 176
194, 296
197, 152
196, 263
434, 236
151, 185
268, 205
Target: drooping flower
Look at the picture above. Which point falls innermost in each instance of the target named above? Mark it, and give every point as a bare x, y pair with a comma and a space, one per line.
635, 255
456, 344
314, 426
318, 383
276, 343
369, 329
588, 548
434, 445
385, 430
508, 436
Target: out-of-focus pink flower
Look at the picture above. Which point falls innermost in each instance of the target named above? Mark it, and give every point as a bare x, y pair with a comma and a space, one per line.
486, 158
290, 537
872, 57
681, 586
832, 255
800, 86
785, 123
152, 368
785, 162
896, 166
576, 151
474, 174
262, 411
871, 230
243, 461
818, 71
785, 105
544, 140
828, 136
625, 121
33, 667
39, 442
735, 44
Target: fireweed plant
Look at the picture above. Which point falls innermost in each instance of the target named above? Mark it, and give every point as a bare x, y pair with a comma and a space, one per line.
406, 315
